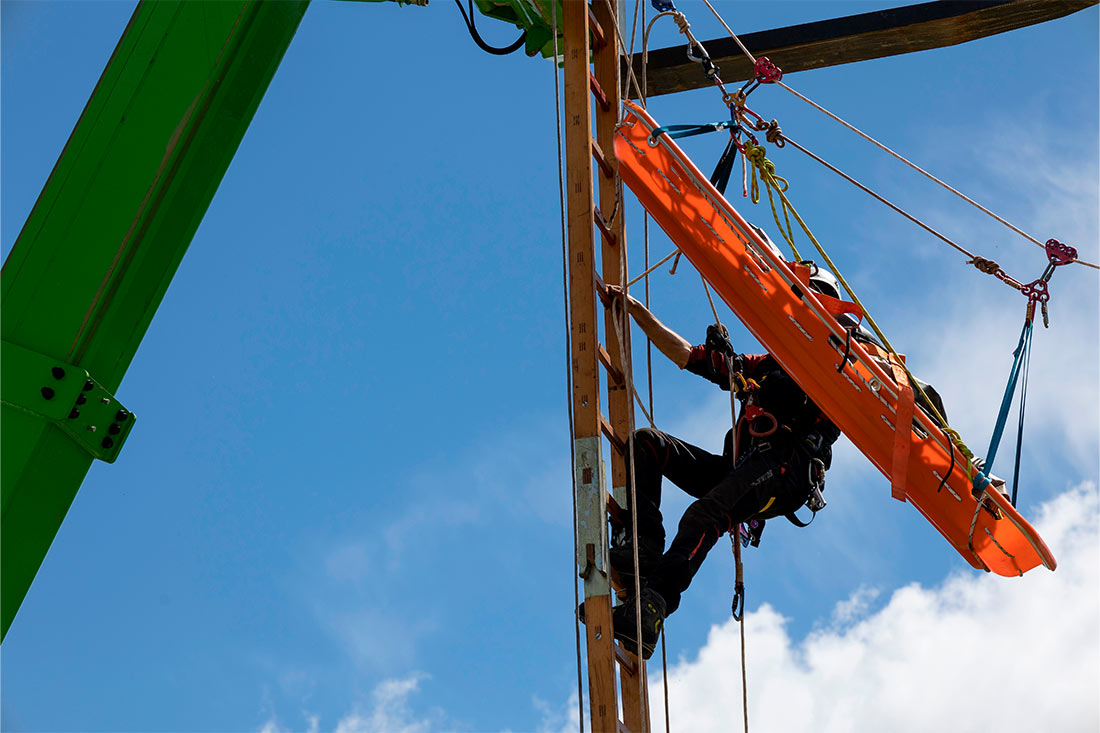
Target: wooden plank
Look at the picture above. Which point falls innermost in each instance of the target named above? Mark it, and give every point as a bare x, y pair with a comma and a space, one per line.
601, 677
613, 437
601, 160
852, 38
578, 167
613, 372
599, 40
627, 661
610, 239
599, 647
632, 680
598, 93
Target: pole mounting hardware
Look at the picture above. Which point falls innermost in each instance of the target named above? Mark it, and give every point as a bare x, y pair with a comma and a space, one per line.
66, 395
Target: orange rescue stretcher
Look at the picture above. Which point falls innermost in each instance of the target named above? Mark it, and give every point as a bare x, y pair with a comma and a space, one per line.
862, 389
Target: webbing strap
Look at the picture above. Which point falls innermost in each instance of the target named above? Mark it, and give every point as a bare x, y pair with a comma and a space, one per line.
720, 178
721, 175
981, 479
903, 429
675, 132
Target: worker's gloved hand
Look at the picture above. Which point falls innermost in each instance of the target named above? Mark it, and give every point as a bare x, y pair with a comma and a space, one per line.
718, 339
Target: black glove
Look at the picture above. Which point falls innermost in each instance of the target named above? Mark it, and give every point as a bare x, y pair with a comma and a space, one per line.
718, 339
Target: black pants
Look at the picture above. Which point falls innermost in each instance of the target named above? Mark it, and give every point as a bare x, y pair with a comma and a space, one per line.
768, 481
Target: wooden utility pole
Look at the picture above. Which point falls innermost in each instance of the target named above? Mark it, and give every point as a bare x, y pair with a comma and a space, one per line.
592, 101
852, 38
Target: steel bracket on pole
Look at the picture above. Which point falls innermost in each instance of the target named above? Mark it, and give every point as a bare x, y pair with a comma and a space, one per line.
591, 517
67, 396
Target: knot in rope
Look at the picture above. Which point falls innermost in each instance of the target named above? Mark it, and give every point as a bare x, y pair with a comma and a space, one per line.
757, 155
958, 441
989, 267
774, 134
682, 22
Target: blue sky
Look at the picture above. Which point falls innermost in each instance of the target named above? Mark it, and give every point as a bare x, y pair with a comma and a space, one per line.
346, 503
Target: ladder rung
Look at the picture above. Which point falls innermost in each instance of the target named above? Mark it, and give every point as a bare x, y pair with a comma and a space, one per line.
612, 436
613, 372
598, 38
604, 228
601, 290
614, 511
626, 661
597, 92
601, 160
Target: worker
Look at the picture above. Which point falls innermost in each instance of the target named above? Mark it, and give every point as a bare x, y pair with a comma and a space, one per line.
783, 449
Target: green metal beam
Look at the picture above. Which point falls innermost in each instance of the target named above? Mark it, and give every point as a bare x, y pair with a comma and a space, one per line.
104, 239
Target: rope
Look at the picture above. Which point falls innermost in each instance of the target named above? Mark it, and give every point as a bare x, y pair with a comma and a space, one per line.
733, 35
627, 372
985, 265
755, 154
649, 343
888, 203
896, 155
665, 259
568, 371
629, 53
624, 360
741, 623
710, 300
922, 171
767, 174
739, 571
664, 677
682, 24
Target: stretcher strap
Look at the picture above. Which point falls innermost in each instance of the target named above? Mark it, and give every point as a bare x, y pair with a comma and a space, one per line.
903, 430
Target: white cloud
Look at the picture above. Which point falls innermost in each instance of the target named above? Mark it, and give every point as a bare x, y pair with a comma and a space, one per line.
976, 653
377, 638
389, 711
967, 350
348, 563
855, 607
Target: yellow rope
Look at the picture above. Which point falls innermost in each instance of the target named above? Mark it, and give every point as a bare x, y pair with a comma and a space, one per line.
868, 138
756, 156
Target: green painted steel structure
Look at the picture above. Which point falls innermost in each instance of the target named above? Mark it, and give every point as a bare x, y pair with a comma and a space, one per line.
104, 239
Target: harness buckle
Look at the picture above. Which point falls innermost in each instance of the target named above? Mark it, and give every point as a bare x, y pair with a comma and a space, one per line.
816, 502
815, 441
768, 426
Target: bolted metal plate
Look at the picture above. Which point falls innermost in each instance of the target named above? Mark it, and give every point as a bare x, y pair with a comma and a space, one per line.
67, 396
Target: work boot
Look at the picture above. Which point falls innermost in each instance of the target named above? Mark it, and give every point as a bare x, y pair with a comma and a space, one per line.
621, 559
653, 620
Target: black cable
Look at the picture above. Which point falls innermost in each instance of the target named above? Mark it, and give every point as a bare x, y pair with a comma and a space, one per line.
951, 450
477, 36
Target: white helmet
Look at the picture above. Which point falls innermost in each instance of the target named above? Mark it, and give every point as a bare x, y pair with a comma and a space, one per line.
822, 280
768, 242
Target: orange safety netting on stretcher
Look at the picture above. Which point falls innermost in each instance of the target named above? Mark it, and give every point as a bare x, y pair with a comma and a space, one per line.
867, 395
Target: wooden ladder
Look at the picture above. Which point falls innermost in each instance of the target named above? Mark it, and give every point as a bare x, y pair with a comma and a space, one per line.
595, 211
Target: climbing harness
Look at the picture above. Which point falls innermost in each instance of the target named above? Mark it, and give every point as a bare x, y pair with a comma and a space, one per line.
815, 502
